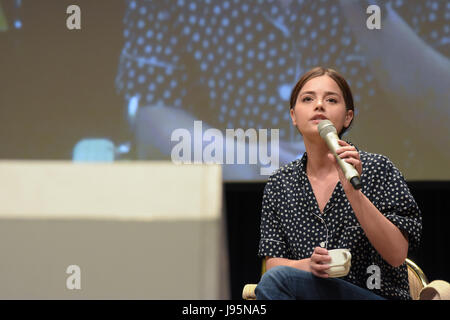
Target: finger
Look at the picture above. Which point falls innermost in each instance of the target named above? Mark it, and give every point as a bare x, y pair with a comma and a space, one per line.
349, 154
320, 274
356, 163
319, 268
320, 259
353, 162
321, 251
320, 256
344, 149
344, 143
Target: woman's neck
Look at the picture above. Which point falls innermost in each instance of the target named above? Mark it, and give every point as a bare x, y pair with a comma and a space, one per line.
318, 164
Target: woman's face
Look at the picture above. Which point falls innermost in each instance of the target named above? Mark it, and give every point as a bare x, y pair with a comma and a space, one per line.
320, 98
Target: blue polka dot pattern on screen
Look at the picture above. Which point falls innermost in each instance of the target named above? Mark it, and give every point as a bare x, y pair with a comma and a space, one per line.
256, 50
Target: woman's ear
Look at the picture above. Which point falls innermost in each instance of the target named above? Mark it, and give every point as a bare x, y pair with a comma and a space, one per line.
291, 111
348, 118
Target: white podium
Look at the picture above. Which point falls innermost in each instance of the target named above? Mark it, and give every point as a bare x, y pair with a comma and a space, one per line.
135, 230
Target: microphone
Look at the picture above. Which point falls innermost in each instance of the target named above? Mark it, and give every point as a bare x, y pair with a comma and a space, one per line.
328, 133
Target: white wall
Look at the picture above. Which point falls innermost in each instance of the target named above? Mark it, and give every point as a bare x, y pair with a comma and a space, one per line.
136, 230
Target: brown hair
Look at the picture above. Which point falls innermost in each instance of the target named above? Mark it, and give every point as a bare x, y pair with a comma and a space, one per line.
333, 74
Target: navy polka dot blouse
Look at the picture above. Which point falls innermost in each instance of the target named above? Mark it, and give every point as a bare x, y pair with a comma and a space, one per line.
292, 224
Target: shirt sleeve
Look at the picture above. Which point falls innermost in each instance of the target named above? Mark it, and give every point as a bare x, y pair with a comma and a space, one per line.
399, 206
272, 242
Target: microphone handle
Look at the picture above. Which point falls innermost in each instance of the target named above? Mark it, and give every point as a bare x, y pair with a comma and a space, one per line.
349, 170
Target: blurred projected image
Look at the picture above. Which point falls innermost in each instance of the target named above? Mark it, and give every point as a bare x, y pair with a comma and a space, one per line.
198, 80
233, 64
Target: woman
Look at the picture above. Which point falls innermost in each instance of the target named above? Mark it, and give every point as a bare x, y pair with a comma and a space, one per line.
309, 208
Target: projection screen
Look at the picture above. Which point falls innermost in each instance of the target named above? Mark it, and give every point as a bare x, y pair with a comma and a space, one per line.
210, 81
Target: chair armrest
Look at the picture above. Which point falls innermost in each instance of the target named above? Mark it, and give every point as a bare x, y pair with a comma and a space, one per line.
436, 290
248, 293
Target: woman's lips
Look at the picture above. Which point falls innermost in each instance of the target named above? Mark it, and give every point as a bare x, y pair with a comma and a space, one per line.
317, 119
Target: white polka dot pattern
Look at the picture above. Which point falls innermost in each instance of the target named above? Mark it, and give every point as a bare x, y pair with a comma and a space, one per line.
234, 63
291, 226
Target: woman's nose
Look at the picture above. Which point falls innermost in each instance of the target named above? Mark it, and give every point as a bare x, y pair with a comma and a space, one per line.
319, 105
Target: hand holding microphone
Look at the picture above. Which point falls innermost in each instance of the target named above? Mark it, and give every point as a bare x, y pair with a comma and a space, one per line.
328, 132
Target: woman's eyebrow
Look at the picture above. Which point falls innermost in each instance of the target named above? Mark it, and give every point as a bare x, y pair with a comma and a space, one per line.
327, 93
308, 92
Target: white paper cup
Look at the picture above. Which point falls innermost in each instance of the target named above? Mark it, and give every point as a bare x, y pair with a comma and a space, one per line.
340, 262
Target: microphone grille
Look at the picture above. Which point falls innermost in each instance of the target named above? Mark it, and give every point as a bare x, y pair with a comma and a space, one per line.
325, 127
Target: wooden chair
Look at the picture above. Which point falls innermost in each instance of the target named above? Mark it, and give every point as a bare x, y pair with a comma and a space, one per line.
419, 287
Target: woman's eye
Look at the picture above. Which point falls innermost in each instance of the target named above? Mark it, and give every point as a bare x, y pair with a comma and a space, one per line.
306, 99
332, 100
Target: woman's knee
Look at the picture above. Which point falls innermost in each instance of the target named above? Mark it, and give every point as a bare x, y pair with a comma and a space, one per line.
276, 273
281, 276
277, 281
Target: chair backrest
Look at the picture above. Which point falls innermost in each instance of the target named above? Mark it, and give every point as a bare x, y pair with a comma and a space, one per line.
417, 279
